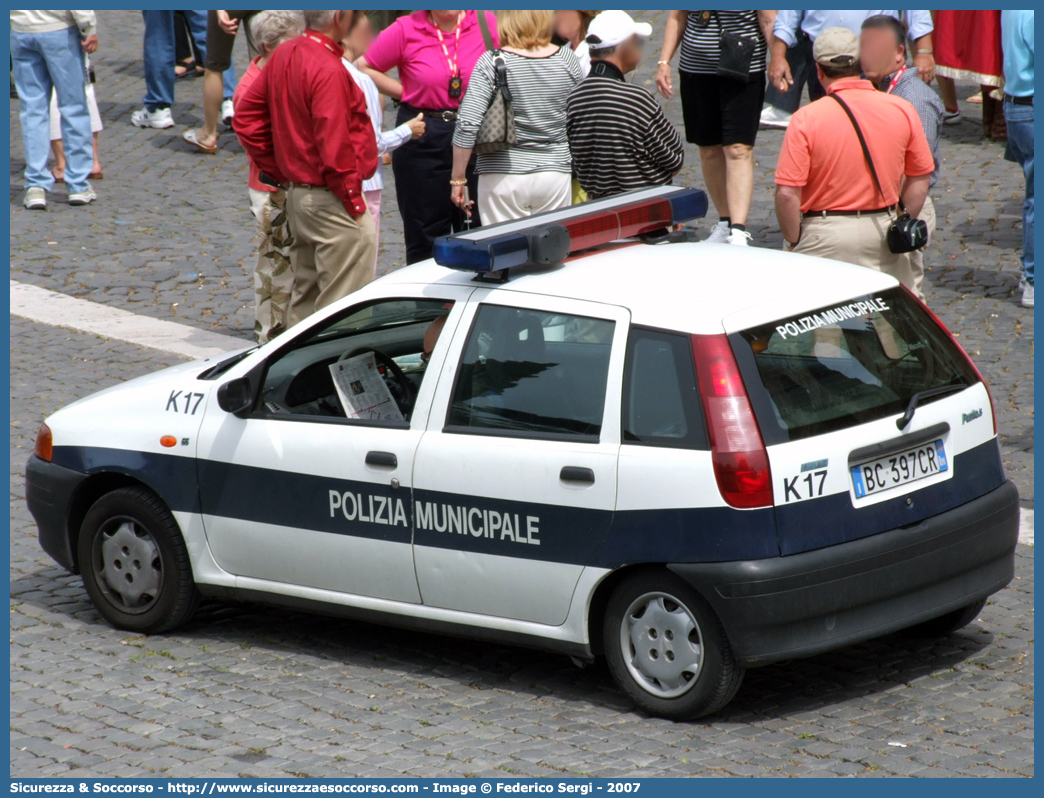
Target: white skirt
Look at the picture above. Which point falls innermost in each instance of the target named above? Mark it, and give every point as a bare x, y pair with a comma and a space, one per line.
92, 109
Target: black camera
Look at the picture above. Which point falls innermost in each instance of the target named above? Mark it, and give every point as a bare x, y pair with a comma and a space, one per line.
907, 234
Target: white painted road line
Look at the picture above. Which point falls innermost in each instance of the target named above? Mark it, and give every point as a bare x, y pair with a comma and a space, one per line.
1026, 527
60, 310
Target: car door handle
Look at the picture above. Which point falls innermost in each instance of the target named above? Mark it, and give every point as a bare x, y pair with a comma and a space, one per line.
577, 474
383, 459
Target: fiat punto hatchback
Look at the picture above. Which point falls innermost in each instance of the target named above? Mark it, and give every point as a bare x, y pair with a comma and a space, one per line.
579, 431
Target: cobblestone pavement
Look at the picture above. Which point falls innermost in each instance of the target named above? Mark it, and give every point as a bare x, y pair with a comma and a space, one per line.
255, 691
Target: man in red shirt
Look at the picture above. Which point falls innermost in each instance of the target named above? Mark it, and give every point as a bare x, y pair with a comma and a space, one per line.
304, 123
827, 202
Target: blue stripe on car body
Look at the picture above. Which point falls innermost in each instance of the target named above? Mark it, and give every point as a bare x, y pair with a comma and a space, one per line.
567, 535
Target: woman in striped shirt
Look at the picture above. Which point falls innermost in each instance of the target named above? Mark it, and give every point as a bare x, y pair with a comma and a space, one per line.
533, 175
721, 113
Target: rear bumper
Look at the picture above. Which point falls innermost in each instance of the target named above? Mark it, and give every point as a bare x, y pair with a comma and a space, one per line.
807, 603
49, 489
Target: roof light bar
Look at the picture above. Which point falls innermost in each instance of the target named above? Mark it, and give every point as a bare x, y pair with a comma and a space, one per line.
549, 238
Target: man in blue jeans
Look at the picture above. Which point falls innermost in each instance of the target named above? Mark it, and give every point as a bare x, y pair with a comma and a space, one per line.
792, 65
159, 56
1017, 43
47, 51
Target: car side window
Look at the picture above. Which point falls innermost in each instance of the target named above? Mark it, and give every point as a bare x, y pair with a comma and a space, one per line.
363, 366
661, 403
532, 373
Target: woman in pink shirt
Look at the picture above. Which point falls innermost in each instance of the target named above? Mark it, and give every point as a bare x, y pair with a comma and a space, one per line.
434, 52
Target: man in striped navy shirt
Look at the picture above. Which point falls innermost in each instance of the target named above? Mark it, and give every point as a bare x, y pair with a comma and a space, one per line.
619, 137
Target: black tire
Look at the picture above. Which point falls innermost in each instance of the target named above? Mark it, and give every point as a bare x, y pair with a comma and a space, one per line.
948, 623
708, 687
134, 563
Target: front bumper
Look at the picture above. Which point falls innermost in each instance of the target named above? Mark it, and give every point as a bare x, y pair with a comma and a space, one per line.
49, 491
804, 604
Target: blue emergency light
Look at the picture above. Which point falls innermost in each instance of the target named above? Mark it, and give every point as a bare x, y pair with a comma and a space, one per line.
549, 238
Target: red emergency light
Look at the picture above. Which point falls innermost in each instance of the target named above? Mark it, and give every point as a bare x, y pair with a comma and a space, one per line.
548, 238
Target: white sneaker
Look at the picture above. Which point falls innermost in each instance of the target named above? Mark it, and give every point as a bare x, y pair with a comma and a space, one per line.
85, 197
159, 119
773, 117
740, 238
951, 117
227, 112
1027, 296
35, 199
719, 234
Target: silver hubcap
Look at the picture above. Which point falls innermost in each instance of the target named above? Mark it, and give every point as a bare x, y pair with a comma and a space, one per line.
661, 644
129, 565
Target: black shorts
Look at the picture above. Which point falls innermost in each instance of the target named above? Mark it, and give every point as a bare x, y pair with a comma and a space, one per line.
721, 111
219, 43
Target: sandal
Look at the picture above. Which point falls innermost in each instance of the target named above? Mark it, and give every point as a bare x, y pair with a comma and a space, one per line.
184, 69
58, 177
190, 137
99, 175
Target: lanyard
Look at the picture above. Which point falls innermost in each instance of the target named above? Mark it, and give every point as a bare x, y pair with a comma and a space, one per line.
324, 44
451, 62
895, 80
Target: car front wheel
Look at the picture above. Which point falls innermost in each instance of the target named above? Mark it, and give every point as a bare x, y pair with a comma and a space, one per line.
134, 562
667, 649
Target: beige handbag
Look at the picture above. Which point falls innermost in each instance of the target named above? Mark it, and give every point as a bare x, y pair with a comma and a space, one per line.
497, 131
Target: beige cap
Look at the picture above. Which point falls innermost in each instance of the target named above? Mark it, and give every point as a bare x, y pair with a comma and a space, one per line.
836, 47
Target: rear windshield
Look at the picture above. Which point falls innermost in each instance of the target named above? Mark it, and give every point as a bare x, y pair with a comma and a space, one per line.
846, 364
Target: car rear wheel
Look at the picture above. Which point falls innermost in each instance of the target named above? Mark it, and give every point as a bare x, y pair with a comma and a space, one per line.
134, 563
667, 649
948, 623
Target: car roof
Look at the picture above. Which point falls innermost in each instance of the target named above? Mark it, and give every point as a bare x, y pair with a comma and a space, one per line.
692, 287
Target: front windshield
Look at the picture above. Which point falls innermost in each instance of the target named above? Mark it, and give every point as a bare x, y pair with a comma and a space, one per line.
381, 316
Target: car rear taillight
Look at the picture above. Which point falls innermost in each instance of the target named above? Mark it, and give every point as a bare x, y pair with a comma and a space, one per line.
960, 346
44, 444
741, 463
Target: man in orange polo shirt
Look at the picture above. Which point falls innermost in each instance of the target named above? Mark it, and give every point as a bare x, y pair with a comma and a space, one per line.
827, 202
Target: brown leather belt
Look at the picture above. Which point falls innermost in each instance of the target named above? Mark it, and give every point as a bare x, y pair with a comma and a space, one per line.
1018, 100
824, 214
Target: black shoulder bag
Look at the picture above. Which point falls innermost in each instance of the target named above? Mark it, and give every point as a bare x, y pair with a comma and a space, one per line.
905, 234
737, 54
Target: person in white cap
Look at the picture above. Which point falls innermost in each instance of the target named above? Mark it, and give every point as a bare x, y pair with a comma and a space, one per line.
619, 137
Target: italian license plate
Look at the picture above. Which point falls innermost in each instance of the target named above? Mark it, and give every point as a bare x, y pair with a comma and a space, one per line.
899, 469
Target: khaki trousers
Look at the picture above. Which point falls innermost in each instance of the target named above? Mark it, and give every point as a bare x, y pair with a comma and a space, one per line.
917, 257
855, 239
331, 254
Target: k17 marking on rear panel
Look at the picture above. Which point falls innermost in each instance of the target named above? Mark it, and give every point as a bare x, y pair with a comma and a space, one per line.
804, 486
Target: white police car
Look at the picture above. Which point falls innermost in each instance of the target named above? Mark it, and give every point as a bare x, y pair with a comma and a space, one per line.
690, 458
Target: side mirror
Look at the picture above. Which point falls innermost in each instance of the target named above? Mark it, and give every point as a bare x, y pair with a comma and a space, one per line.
237, 396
